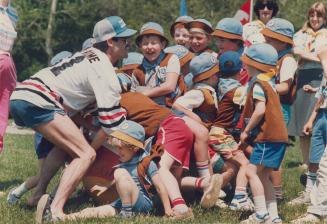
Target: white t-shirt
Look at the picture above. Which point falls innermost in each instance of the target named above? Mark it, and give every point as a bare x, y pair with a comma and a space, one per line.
80, 80
288, 69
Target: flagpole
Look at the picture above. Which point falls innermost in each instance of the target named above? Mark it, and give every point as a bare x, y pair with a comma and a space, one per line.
251, 10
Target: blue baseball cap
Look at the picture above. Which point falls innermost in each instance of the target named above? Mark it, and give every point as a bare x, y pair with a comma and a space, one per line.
109, 27
203, 66
130, 132
199, 25
229, 28
230, 63
184, 55
59, 57
132, 61
125, 81
261, 56
151, 28
180, 23
88, 43
280, 29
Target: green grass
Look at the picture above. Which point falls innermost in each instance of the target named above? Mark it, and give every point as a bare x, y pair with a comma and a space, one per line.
18, 162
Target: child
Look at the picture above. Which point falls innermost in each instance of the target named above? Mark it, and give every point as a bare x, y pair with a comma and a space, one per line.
228, 35
279, 33
179, 32
262, 128
184, 56
157, 76
223, 133
134, 197
200, 36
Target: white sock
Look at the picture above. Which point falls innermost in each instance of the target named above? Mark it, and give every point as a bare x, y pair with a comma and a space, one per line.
272, 209
20, 190
260, 205
311, 180
203, 168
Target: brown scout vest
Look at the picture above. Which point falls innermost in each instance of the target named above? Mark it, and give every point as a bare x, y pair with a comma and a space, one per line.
207, 107
141, 109
290, 96
139, 74
272, 127
226, 110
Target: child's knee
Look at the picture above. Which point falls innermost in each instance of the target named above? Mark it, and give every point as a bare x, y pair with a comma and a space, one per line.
120, 174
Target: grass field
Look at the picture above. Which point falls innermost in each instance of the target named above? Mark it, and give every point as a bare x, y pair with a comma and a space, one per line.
19, 161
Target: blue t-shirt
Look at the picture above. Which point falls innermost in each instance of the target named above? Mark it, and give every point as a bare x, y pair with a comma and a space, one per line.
131, 167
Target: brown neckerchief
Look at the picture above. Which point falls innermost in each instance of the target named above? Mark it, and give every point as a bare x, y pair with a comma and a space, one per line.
156, 152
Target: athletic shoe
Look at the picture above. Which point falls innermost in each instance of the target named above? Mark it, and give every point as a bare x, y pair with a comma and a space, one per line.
43, 211
304, 198
211, 193
12, 198
221, 204
277, 220
256, 218
183, 215
307, 218
241, 203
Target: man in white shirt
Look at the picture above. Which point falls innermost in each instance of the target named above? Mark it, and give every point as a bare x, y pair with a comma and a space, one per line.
42, 102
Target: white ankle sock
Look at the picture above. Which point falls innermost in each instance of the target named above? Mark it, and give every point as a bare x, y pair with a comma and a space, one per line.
20, 190
272, 209
260, 205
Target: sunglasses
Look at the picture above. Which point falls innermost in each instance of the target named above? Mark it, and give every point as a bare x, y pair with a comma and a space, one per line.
269, 6
124, 40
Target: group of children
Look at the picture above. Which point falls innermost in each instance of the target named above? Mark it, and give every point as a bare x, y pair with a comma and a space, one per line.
222, 116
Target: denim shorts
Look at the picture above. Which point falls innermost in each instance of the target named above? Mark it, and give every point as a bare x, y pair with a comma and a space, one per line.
142, 205
29, 115
319, 137
42, 146
268, 154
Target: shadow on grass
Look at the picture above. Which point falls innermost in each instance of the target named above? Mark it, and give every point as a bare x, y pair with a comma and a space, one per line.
292, 164
4, 185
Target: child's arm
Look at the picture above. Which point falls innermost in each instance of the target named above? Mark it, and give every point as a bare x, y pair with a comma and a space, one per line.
165, 88
259, 111
282, 88
307, 128
162, 191
308, 88
187, 112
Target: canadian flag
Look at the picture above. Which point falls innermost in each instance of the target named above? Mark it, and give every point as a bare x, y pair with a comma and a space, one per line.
244, 13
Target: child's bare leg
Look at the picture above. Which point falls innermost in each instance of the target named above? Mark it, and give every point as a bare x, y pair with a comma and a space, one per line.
271, 202
257, 189
127, 190
201, 136
103, 211
171, 183
241, 200
276, 179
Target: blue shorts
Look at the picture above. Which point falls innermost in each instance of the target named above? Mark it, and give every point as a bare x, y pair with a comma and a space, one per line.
29, 115
319, 137
269, 155
42, 146
142, 205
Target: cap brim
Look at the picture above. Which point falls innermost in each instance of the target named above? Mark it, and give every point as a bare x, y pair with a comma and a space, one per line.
127, 33
205, 75
126, 138
269, 33
224, 34
260, 66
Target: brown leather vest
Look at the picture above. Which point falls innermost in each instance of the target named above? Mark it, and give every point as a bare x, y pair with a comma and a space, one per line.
272, 127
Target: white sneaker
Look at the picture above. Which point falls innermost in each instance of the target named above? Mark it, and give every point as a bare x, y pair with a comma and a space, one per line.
307, 218
221, 204
255, 218
12, 198
304, 198
222, 194
243, 204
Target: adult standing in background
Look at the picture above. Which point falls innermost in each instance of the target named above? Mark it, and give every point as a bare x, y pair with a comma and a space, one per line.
8, 19
265, 10
307, 42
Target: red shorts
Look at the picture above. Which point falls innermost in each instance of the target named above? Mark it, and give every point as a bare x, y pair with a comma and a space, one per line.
177, 139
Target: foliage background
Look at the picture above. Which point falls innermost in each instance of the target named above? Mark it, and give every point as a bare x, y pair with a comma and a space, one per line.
75, 19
